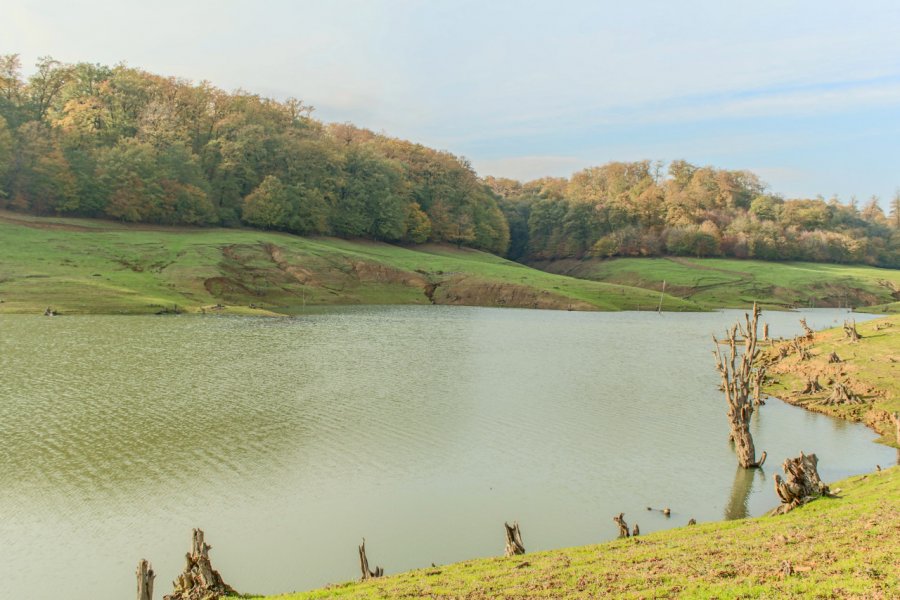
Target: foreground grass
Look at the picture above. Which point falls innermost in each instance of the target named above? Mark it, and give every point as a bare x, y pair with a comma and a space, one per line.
837, 548
714, 282
869, 367
88, 266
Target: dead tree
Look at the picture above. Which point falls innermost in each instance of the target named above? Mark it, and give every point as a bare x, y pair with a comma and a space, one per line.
364, 565
812, 385
850, 331
636, 531
834, 358
514, 545
199, 581
808, 333
801, 483
765, 332
145, 577
693, 521
841, 394
801, 348
759, 375
623, 526
736, 381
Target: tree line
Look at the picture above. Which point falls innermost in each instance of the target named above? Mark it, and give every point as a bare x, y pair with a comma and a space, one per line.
119, 142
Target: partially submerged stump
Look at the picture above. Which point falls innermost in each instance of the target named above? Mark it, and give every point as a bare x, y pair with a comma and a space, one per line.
623, 526
145, 577
514, 545
801, 483
841, 394
812, 385
736, 380
364, 565
199, 581
850, 331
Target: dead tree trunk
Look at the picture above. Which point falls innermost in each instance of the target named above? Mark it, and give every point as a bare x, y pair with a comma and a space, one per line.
199, 581
765, 332
636, 531
364, 565
834, 358
809, 334
812, 385
801, 348
850, 331
841, 394
736, 382
145, 577
623, 526
759, 375
801, 483
514, 543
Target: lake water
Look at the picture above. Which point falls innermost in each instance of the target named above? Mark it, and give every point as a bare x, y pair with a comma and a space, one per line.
420, 428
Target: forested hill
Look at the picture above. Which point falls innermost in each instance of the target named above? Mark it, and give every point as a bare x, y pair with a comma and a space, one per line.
118, 142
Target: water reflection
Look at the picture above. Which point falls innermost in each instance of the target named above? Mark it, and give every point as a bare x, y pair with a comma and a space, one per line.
738, 506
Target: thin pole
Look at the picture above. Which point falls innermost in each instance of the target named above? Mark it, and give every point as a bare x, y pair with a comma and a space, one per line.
659, 308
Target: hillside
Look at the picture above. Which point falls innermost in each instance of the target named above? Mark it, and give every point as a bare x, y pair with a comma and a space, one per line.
91, 266
716, 282
837, 548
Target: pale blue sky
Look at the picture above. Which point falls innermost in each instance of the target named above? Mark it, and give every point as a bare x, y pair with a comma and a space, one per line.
807, 94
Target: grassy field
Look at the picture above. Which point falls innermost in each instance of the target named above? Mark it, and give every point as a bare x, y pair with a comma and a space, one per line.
837, 548
869, 367
718, 282
87, 266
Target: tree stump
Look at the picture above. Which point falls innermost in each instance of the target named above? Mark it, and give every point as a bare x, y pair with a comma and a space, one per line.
636, 531
841, 394
199, 581
850, 331
801, 348
623, 526
736, 380
834, 358
693, 521
759, 376
514, 545
812, 385
808, 333
801, 483
364, 565
145, 577
765, 332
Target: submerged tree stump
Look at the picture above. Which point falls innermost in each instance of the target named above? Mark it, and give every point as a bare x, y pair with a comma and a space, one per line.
841, 394
737, 376
623, 526
145, 577
364, 565
801, 483
199, 581
514, 545
850, 331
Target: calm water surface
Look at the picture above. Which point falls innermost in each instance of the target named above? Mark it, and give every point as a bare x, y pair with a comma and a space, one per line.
288, 440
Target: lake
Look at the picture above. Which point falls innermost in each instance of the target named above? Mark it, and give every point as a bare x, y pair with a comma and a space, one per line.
420, 428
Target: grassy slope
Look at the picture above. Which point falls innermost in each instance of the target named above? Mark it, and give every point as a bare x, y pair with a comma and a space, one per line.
870, 366
844, 548
715, 282
85, 266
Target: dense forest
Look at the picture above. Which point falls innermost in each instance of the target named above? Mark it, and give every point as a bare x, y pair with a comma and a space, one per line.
121, 143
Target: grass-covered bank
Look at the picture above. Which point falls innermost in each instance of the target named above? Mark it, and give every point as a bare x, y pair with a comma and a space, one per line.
837, 548
719, 282
869, 367
90, 266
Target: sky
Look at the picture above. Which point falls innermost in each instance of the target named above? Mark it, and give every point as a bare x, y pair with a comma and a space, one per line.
805, 94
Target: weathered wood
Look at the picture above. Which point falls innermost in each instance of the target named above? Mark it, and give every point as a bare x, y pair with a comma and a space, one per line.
364, 564
635, 531
759, 376
812, 385
841, 394
765, 332
623, 526
145, 577
800, 484
514, 543
834, 358
737, 376
808, 333
801, 348
850, 330
199, 581
693, 521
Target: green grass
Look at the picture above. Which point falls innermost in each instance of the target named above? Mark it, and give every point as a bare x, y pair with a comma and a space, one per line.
870, 367
838, 548
715, 282
85, 266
